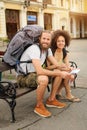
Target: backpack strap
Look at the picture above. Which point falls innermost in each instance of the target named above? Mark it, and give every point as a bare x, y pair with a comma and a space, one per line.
64, 53
44, 65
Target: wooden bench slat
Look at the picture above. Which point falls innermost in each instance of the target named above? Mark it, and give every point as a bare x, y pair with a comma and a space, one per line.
2, 53
5, 67
22, 91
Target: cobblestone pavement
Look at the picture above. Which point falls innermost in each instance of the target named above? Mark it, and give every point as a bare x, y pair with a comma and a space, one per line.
78, 52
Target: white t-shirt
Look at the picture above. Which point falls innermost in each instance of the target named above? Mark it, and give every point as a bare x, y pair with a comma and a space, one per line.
33, 52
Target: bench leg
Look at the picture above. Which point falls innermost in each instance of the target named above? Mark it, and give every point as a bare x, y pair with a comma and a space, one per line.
74, 84
12, 105
48, 88
0, 76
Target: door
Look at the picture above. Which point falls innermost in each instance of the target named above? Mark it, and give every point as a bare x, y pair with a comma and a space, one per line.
12, 22
47, 21
11, 29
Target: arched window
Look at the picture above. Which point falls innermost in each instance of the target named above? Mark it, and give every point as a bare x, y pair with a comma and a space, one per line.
71, 25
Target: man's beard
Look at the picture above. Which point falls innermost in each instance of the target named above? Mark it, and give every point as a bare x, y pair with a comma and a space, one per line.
45, 48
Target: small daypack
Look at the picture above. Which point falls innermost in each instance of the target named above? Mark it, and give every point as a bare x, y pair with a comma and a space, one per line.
23, 39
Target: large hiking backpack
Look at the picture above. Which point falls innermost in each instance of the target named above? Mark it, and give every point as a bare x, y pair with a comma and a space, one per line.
23, 38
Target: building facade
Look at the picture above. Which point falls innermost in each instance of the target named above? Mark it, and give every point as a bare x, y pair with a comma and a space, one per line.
68, 15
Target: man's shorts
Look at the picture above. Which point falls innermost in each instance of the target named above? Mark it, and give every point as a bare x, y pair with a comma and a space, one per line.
28, 81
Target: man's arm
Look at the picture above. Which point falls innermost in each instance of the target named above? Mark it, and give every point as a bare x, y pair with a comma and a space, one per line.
50, 66
40, 71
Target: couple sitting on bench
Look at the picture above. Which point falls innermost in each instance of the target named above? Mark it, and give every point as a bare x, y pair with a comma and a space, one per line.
58, 68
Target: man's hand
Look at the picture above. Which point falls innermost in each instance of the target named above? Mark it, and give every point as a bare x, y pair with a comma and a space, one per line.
65, 75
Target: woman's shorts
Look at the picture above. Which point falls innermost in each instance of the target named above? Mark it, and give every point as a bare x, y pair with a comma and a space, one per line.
28, 81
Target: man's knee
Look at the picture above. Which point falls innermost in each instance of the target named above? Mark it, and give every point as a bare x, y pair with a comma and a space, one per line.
42, 80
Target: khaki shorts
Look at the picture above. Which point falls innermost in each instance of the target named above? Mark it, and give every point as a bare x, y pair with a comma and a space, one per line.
28, 81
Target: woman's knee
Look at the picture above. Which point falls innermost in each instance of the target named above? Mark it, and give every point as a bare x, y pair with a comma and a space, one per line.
42, 80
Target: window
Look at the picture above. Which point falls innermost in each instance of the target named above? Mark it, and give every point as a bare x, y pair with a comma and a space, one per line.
63, 27
47, 1
76, 1
33, 0
61, 2
72, 3
31, 18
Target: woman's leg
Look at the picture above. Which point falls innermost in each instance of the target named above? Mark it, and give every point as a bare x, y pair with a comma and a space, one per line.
67, 89
69, 95
56, 83
59, 91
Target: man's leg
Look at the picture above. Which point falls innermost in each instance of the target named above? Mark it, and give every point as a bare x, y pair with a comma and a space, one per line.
52, 101
42, 85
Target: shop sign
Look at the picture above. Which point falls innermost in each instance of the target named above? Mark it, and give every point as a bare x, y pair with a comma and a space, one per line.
31, 18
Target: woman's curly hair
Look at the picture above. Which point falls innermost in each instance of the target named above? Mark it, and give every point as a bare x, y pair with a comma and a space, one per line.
56, 35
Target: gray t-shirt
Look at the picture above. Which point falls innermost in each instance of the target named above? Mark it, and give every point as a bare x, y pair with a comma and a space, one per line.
33, 52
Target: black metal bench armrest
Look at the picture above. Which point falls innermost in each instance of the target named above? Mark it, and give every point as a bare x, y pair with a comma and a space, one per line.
7, 89
73, 64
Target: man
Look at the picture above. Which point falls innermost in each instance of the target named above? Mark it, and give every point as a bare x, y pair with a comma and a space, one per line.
40, 75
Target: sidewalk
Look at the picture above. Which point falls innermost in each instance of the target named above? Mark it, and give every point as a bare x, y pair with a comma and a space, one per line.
73, 117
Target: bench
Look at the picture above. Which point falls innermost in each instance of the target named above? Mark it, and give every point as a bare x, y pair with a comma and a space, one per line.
9, 91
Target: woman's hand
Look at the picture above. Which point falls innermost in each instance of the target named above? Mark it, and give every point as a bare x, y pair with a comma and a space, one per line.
65, 68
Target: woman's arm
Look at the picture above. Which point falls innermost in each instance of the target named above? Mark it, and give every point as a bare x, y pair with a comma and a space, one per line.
66, 61
40, 71
52, 63
50, 66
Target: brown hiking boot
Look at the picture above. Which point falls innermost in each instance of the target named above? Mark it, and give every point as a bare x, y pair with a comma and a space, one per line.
55, 103
42, 111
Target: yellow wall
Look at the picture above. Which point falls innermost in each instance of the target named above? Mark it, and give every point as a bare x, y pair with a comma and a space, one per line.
85, 6
13, 6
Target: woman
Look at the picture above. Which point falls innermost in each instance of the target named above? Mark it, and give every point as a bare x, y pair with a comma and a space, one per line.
61, 40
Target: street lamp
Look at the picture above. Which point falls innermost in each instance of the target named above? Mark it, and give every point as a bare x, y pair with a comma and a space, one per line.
26, 3
44, 5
